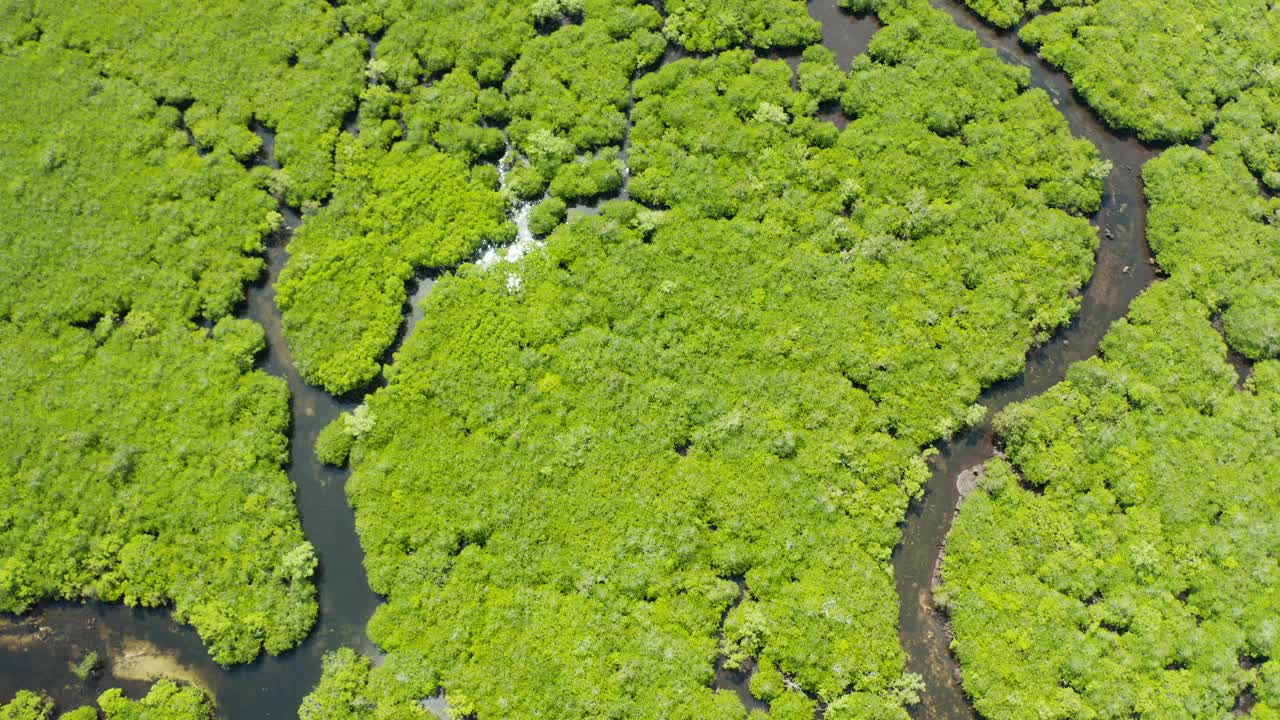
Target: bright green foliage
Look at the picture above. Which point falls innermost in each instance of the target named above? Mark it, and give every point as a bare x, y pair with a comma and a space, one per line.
1147, 567
425, 39
791, 706
878, 196
165, 701
657, 403
1209, 225
1160, 68
819, 75
27, 705
334, 444
1122, 561
569, 91
706, 25
287, 64
397, 211
343, 692
546, 216
392, 213
626, 559
454, 113
1251, 126
526, 182
588, 178
87, 665
106, 208
157, 454
140, 455
861, 706
1007, 13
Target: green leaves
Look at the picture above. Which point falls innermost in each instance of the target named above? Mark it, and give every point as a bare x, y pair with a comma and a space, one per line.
165, 701
393, 213
342, 693
707, 25
141, 451
1121, 561
736, 387
287, 65
1210, 226
1120, 584
132, 219
170, 434
1161, 69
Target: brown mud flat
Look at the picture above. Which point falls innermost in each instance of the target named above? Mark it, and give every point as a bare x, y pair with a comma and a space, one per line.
142, 661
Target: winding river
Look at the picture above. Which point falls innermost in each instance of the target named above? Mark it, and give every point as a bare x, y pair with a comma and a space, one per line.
36, 650
1124, 269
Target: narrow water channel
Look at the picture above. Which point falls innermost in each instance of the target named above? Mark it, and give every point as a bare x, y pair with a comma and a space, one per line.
1124, 269
138, 646
37, 650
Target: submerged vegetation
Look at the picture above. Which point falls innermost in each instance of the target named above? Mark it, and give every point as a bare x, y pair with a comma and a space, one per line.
729, 380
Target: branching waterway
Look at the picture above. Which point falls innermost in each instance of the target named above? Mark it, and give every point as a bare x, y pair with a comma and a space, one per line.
139, 646
37, 650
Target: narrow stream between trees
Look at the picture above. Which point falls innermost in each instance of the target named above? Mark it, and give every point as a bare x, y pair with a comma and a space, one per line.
1124, 269
38, 649
138, 646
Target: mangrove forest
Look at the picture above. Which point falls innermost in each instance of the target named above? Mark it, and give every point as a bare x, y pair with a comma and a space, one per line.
639, 359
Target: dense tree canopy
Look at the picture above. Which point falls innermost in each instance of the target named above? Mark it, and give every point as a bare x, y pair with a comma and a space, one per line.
1006, 13
706, 25
1122, 561
1250, 126
285, 64
393, 212
165, 701
680, 433
549, 108
140, 452
1159, 67
728, 380
1209, 226
106, 208
141, 463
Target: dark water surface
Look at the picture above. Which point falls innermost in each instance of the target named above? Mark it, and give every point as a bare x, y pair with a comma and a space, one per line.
137, 646
37, 650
